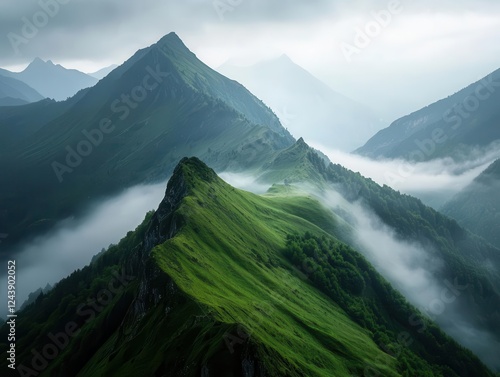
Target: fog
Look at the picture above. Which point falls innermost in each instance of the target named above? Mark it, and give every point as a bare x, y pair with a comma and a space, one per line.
413, 269
300, 100
73, 242
434, 182
244, 181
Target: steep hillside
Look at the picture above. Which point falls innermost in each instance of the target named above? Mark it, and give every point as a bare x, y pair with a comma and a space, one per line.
450, 127
132, 127
477, 207
457, 255
188, 295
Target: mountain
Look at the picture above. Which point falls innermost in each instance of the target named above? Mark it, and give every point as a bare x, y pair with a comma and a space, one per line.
133, 127
102, 73
130, 128
445, 253
14, 92
52, 80
188, 295
307, 106
477, 207
453, 126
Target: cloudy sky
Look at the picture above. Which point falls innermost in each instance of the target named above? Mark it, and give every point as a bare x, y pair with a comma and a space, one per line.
413, 53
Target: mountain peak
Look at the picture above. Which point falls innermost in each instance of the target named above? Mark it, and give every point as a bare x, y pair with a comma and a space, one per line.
36, 62
171, 39
301, 143
187, 176
285, 59
193, 167
187, 172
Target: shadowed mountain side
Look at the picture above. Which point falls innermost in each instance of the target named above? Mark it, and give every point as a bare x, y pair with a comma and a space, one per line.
131, 128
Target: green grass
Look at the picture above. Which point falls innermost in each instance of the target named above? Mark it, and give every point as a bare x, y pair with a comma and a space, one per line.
229, 259
221, 291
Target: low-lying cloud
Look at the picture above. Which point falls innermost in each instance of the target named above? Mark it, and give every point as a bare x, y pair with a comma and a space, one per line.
73, 243
415, 270
434, 182
244, 181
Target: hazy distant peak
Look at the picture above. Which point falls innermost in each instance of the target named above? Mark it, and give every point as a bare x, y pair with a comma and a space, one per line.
39, 64
36, 62
285, 58
301, 141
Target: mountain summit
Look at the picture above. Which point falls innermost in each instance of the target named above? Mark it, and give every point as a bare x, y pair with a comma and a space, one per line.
131, 127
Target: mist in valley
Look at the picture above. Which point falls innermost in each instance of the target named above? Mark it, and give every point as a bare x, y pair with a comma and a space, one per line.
434, 182
73, 242
415, 270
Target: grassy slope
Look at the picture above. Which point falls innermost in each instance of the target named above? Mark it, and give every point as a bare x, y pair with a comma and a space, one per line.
237, 275
233, 279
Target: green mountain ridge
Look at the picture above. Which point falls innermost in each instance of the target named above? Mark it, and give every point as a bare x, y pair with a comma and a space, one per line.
187, 295
463, 256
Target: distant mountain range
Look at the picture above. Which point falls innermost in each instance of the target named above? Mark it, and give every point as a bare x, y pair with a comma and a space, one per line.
454, 126
218, 281
307, 106
477, 207
132, 127
51, 80
14, 92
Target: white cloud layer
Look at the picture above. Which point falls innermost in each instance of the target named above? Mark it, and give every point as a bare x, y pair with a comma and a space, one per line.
73, 243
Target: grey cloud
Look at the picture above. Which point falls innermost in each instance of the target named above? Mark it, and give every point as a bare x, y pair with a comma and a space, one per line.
73, 242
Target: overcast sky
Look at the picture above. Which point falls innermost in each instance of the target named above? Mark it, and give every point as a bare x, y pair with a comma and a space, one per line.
424, 52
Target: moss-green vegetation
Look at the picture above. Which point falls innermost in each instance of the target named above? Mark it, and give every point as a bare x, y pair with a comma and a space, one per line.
224, 294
